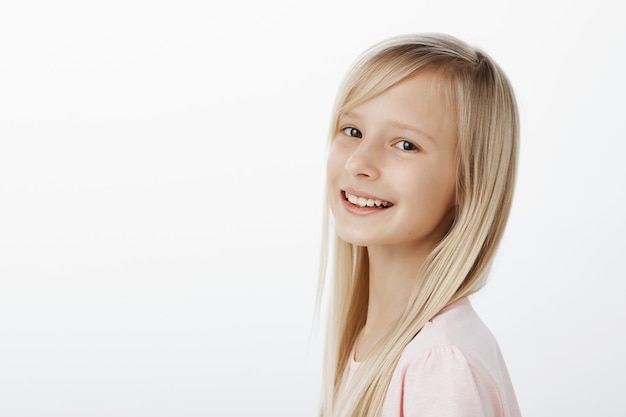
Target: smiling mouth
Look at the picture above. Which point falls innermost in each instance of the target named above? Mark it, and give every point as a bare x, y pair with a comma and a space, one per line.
366, 202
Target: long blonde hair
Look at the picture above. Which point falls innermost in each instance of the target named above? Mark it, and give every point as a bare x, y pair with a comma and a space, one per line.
487, 126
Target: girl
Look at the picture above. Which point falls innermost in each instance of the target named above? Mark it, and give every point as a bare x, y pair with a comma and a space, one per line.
420, 177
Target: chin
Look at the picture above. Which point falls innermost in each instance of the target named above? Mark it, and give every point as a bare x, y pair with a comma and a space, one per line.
355, 238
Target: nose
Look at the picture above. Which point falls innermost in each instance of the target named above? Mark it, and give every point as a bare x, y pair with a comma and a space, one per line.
364, 161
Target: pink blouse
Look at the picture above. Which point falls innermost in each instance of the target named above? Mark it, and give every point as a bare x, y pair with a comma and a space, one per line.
452, 368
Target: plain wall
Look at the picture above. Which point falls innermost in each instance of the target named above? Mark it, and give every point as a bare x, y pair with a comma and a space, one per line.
161, 182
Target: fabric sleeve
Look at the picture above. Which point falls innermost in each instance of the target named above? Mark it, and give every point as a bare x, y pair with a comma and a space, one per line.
444, 383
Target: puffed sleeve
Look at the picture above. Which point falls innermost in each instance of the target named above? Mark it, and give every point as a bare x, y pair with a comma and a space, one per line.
443, 382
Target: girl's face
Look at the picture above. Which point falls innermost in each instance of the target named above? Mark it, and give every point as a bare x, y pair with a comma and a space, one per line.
391, 167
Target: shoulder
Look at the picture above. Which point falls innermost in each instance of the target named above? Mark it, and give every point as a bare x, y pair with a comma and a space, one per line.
453, 367
456, 325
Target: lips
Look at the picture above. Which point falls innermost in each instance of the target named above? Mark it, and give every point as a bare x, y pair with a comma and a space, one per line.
361, 201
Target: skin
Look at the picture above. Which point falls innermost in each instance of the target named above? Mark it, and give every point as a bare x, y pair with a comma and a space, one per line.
397, 147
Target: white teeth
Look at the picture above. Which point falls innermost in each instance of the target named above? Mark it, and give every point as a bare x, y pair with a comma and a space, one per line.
365, 202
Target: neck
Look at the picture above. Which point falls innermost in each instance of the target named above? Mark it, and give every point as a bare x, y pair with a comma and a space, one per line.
392, 277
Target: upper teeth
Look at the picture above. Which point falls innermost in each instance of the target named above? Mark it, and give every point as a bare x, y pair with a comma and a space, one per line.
365, 202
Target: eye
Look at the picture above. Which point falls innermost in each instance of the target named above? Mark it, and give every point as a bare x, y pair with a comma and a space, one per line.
353, 132
405, 145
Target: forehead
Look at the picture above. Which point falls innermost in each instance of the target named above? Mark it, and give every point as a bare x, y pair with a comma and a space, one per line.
370, 81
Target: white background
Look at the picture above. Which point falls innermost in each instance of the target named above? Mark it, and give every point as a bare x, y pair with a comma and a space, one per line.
161, 171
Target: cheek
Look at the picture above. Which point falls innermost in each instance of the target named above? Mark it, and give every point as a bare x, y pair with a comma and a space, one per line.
448, 187
435, 191
441, 191
334, 163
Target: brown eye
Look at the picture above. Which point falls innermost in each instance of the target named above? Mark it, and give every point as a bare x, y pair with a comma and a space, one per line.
353, 132
405, 145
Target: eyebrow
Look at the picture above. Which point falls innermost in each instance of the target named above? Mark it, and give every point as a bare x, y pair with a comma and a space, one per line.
395, 123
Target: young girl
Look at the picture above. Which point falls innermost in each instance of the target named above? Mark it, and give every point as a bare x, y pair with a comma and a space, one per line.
420, 176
